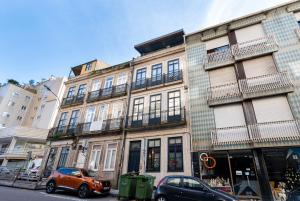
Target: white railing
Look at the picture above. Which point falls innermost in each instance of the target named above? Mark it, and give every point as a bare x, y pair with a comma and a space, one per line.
275, 131
223, 93
230, 135
24, 152
257, 133
298, 32
217, 59
271, 83
254, 47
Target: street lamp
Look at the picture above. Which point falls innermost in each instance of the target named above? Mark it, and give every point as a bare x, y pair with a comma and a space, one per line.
53, 94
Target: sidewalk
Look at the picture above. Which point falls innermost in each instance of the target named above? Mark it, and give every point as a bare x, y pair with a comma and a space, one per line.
30, 185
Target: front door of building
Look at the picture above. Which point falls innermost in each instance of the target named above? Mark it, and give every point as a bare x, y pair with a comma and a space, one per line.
245, 183
134, 156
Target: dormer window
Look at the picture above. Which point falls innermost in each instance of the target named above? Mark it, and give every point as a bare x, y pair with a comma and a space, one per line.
88, 67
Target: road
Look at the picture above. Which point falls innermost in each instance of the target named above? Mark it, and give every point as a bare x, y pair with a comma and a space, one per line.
15, 194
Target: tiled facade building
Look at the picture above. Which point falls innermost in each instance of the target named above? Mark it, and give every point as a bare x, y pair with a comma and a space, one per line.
230, 92
244, 101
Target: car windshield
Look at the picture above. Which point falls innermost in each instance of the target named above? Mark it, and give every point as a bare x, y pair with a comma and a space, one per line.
85, 173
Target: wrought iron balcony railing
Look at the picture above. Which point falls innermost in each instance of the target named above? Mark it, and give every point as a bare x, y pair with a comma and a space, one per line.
254, 48
157, 80
157, 119
278, 131
79, 129
73, 100
106, 93
226, 93
218, 59
266, 85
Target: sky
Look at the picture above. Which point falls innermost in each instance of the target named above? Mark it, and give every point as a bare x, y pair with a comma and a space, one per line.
40, 38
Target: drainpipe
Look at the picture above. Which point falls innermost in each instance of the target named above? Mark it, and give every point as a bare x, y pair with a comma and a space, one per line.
125, 120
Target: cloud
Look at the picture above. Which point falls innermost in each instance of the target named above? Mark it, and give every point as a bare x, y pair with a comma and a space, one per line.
223, 10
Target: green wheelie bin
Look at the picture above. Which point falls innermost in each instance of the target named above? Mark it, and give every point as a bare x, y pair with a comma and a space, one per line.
127, 186
144, 187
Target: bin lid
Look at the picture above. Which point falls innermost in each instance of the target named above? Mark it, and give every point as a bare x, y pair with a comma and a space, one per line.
145, 176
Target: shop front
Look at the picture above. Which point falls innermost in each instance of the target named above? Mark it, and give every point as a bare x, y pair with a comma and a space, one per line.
247, 173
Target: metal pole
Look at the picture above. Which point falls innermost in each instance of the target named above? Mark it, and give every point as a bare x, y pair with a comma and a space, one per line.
125, 121
48, 88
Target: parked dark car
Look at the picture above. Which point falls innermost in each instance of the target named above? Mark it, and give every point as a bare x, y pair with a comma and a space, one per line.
294, 195
185, 188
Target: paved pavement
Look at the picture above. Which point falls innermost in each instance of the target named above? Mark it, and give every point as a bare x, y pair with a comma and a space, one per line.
15, 194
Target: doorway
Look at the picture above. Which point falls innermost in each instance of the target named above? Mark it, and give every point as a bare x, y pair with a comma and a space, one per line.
134, 156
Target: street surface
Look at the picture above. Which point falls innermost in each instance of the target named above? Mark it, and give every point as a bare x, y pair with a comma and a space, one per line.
15, 194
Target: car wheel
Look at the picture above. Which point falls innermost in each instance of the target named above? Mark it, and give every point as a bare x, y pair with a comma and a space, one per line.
50, 187
161, 198
83, 191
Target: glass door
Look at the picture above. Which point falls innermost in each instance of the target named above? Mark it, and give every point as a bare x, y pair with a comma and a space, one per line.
108, 86
245, 183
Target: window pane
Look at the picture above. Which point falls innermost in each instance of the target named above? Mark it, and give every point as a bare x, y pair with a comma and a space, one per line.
174, 182
192, 184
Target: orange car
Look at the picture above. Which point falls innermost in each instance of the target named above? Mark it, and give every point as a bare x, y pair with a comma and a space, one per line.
76, 179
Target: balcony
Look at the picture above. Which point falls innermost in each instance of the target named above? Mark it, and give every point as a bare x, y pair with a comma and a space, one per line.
157, 120
73, 101
20, 153
266, 85
278, 131
218, 59
106, 93
254, 48
108, 125
230, 135
275, 131
158, 80
96, 127
222, 94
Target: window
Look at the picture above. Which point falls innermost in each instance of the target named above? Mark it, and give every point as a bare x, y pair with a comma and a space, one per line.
174, 181
27, 98
71, 92
5, 114
95, 158
23, 107
153, 155
62, 121
138, 108
141, 76
110, 158
156, 74
74, 119
11, 103
81, 90
175, 155
19, 118
173, 67
15, 94
42, 107
155, 106
63, 157
174, 103
108, 86
122, 79
299, 23
88, 67
192, 184
218, 49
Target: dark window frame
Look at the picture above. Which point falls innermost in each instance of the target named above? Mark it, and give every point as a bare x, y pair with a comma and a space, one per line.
88, 67
62, 121
76, 118
81, 90
63, 157
155, 68
152, 162
174, 108
155, 109
138, 72
71, 92
181, 169
133, 109
172, 63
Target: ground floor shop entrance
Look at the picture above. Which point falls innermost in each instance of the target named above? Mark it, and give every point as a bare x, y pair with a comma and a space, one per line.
256, 174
